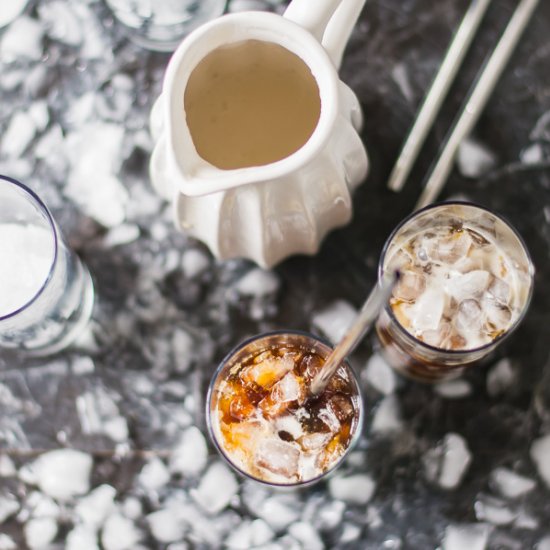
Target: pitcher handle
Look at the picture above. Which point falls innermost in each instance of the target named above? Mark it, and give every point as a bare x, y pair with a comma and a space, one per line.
330, 21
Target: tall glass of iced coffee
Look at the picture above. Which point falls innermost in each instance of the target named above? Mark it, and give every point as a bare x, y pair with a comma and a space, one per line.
466, 282
261, 418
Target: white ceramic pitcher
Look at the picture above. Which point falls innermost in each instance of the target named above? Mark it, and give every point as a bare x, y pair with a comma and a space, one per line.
266, 213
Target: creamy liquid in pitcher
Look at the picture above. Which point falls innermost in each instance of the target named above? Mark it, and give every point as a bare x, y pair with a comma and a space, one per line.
250, 104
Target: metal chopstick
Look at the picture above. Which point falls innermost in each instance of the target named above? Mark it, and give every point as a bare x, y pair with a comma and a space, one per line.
437, 93
477, 100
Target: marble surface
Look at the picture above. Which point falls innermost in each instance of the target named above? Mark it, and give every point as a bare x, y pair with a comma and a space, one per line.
465, 465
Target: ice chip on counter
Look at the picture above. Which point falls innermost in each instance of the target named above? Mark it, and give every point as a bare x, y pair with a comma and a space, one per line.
63, 473
62, 22
9, 11
543, 544
541, 131
194, 262
22, 39
166, 525
387, 418
81, 537
306, 535
453, 389
474, 536
40, 532
334, 320
18, 135
121, 235
216, 488
7, 543
190, 454
7, 467
532, 154
119, 533
494, 511
474, 159
258, 282
447, 463
500, 378
8, 506
540, 454
510, 484
380, 375
279, 511
354, 489
93, 509
154, 475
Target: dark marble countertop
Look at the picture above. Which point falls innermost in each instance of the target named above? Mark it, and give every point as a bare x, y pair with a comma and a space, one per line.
464, 465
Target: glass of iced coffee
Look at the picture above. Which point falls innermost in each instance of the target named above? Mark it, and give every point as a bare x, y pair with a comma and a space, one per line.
466, 282
264, 423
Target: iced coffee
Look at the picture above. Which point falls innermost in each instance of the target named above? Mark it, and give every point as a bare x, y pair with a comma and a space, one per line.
466, 281
263, 421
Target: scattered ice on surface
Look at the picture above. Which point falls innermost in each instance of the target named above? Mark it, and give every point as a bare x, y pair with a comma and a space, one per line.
7, 543
216, 488
533, 154
258, 283
40, 532
119, 533
474, 159
473, 536
92, 183
350, 533
544, 544
510, 484
401, 78
194, 262
154, 475
82, 537
306, 535
493, 511
190, 454
22, 39
82, 365
501, 377
334, 320
380, 375
93, 509
355, 489
278, 457
464, 286
132, 508
427, 311
541, 131
374, 519
40, 114
166, 525
8, 506
121, 234
261, 532
248, 5
18, 135
387, 416
63, 473
9, 11
330, 515
447, 463
241, 537
178, 546
279, 511
454, 389
62, 23
98, 414
38, 505
540, 454
7, 467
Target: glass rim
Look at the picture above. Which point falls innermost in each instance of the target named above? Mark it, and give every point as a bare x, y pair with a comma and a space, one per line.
531, 273
219, 447
34, 198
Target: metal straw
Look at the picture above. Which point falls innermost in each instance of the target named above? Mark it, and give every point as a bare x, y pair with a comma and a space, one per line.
477, 100
437, 93
378, 297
